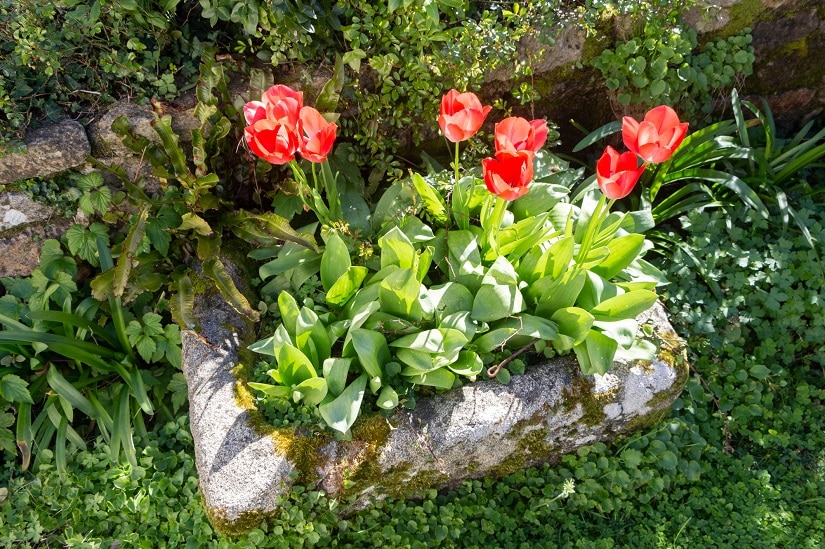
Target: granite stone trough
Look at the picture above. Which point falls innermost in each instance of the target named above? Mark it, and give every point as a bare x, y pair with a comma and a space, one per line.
481, 429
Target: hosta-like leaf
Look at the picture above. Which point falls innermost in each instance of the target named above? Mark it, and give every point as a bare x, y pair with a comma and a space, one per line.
341, 413
624, 306
596, 353
335, 262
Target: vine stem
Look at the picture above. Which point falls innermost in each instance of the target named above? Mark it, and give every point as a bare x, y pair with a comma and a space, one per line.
493, 371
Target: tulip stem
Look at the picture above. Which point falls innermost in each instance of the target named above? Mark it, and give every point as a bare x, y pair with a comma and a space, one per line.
593, 225
496, 219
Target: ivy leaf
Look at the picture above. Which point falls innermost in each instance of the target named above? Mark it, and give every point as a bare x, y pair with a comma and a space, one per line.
15, 389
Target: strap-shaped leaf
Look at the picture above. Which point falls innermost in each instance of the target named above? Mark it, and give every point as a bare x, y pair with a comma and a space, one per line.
624, 306
215, 270
268, 229
163, 127
24, 433
433, 203
66, 390
130, 247
182, 302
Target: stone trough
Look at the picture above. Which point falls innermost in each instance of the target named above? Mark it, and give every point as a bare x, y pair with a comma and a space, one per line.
482, 429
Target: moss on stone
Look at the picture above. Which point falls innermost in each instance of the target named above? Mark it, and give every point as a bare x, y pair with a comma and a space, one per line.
238, 527
581, 393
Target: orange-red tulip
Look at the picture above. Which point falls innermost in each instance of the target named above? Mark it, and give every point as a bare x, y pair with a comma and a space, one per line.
316, 135
461, 115
657, 136
508, 174
517, 134
617, 174
276, 143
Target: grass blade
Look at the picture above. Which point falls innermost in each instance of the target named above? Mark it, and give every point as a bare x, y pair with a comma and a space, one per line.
66, 390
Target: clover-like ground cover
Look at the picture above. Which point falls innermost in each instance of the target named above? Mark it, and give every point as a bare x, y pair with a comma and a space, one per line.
740, 461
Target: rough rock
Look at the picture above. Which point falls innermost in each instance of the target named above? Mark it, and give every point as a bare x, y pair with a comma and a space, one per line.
481, 429
50, 149
24, 223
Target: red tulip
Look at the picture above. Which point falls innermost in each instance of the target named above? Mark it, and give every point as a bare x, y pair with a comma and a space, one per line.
276, 143
517, 134
461, 115
279, 103
315, 134
657, 136
508, 173
617, 174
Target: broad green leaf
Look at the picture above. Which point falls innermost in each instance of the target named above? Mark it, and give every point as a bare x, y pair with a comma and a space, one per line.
341, 413
450, 298
290, 311
335, 262
461, 321
277, 391
327, 100
387, 398
559, 293
417, 362
494, 302
312, 390
431, 341
596, 289
464, 259
596, 353
501, 272
345, 287
623, 331
540, 198
335, 372
309, 327
573, 322
193, 221
293, 365
372, 350
494, 339
286, 261
399, 293
179, 389
214, 269
441, 378
624, 306
623, 251
467, 364
396, 249
433, 203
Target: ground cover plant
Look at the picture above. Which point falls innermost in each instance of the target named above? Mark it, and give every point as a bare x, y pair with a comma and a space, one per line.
740, 461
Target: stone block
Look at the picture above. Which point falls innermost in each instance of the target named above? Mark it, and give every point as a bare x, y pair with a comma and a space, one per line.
49, 150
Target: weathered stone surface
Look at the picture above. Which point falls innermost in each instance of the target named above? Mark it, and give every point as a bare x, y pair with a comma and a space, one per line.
49, 150
24, 223
483, 428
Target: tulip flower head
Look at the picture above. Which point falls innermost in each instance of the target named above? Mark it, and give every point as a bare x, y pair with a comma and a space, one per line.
316, 135
657, 136
508, 174
274, 142
517, 134
617, 174
461, 115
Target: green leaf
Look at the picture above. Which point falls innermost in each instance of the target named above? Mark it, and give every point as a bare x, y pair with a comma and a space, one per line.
598, 135
496, 301
268, 229
182, 302
396, 249
335, 372
277, 391
335, 262
573, 322
387, 398
179, 389
294, 366
214, 269
623, 251
558, 293
130, 247
331, 92
372, 350
345, 287
399, 293
287, 261
66, 390
596, 353
341, 413
624, 306
14, 389
312, 390
441, 378
467, 364
433, 203
450, 298
193, 221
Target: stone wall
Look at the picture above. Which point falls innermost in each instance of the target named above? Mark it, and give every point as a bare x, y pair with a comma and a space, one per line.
789, 73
